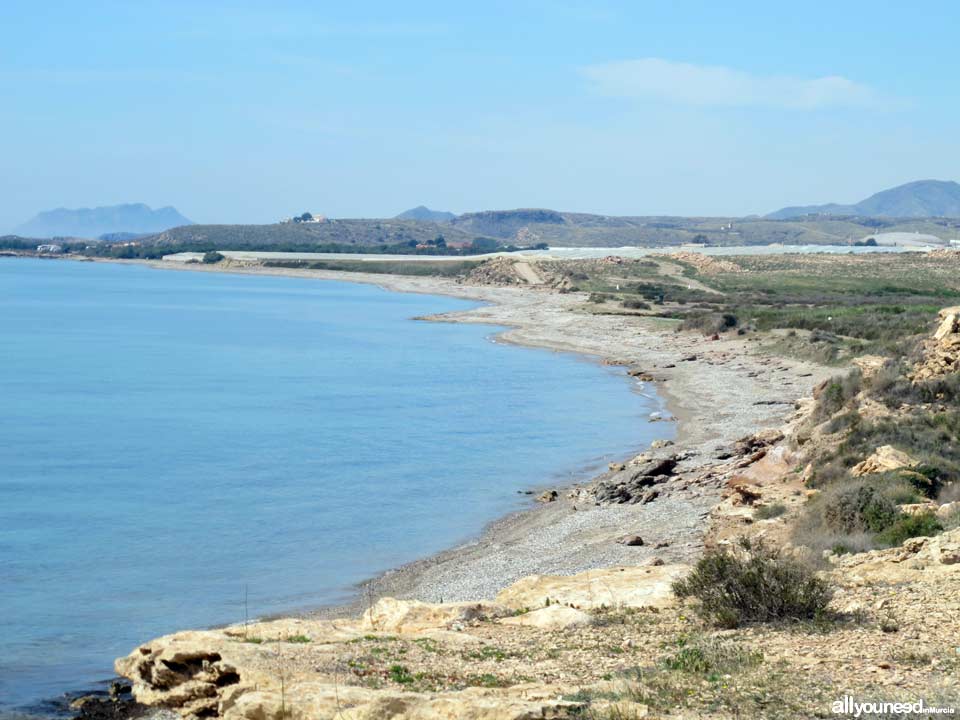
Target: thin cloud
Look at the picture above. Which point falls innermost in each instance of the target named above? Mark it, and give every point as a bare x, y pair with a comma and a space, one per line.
715, 85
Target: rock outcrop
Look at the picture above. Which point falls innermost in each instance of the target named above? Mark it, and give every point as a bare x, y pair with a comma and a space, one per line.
635, 484
941, 352
302, 669
883, 459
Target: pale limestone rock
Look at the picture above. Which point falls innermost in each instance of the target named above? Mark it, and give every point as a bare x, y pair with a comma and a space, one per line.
869, 365
948, 509
948, 323
611, 587
884, 459
411, 616
552, 617
919, 508
315, 701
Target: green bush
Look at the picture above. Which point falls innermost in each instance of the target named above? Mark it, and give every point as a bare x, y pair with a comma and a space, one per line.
634, 304
709, 323
858, 508
709, 656
212, 257
753, 583
908, 526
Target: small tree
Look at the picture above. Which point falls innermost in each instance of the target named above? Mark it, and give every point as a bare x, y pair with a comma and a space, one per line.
212, 257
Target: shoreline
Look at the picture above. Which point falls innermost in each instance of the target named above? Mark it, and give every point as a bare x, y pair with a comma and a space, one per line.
709, 398
727, 392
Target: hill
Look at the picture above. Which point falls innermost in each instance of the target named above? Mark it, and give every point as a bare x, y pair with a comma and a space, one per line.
301, 235
566, 229
425, 214
94, 222
920, 199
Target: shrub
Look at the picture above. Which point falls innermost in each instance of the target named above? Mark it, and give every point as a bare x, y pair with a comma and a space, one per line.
709, 323
858, 508
767, 512
908, 526
901, 492
950, 492
753, 583
209, 258
927, 479
836, 394
709, 656
634, 304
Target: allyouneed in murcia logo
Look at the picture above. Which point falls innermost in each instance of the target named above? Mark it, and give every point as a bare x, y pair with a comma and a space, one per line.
848, 706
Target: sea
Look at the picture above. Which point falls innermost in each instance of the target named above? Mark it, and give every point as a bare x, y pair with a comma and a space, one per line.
185, 449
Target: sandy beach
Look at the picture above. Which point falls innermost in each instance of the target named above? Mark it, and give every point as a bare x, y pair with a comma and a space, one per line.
715, 391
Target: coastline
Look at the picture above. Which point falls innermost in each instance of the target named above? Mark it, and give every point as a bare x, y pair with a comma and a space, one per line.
716, 392
727, 392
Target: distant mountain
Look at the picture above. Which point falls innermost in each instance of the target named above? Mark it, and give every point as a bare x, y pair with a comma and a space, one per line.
425, 214
94, 222
920, 199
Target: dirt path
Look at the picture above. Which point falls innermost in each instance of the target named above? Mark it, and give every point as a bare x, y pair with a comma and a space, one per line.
675, 272
527, 273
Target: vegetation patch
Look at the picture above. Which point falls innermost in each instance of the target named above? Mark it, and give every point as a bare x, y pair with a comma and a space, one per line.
753, 584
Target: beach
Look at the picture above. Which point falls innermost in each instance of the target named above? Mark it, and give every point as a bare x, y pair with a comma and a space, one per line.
716, 392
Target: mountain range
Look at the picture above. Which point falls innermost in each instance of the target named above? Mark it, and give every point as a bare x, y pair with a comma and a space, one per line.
133, 218
919, 199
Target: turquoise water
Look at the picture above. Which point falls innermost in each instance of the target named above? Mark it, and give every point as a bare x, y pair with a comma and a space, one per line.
174, 439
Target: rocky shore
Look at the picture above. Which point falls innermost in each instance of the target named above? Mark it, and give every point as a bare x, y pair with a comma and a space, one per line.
715, 392
648, 514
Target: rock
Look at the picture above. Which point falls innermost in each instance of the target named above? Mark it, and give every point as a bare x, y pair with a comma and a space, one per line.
612, 587
941, 352
758, 441
919, 508
869, 365
79, 702
619, 709
659, 444
948, 509
632, 484
411, 616
630, 540
745, 495
552, 617
117, 689
883, 459
547, 496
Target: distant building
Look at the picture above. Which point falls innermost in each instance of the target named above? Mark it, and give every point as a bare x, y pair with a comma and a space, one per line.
307, 217
50, 249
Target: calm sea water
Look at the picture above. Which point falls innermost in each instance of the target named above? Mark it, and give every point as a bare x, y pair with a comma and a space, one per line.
171, 439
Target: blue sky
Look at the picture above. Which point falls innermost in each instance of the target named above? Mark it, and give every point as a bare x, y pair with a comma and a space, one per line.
249, 111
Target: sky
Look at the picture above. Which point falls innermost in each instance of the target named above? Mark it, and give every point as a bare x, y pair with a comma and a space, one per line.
246, 112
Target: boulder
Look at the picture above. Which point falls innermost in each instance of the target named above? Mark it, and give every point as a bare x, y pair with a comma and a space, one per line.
612, 587
869, 365
948, 509
758, 441
547, 496
631, 484
552, 617
883, 459
630, 540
